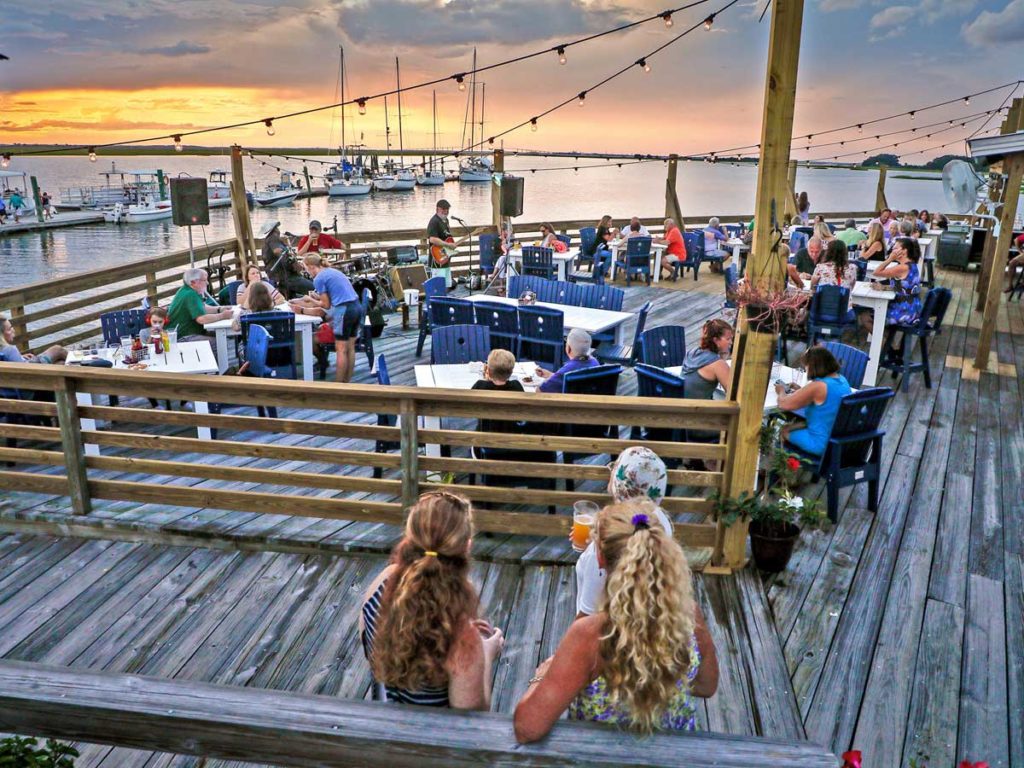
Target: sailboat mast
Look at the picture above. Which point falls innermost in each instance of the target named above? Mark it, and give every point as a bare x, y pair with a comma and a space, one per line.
483, 99
472, 117
398, 83
387, 129
434, 94
342, 76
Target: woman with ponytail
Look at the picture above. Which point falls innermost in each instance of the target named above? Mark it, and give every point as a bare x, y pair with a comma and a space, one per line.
639, 662
419, 622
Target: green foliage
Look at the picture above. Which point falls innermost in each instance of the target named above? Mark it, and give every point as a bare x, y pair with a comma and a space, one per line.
16, 752
938, 163
884, 159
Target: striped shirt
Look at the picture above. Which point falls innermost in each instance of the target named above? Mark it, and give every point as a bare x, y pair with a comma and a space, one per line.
426, 697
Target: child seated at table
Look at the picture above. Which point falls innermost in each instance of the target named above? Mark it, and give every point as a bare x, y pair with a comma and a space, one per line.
157, 321
498, 373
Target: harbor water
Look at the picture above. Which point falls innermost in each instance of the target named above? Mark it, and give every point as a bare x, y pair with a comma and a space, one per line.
703, 190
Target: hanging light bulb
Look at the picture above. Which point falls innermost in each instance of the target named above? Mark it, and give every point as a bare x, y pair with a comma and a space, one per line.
177, 144
575, 170
967, 101
92, 154
709, 21
491, 141
361, 103
270, 126
583, 98
5, 162
560, 50
667, 16
461, 81
251, 155
860, 129
643, 63
533, 124
912, 113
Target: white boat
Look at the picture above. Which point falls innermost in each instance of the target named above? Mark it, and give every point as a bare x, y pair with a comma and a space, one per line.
342, 187
392, 178
282, 193
476, 169
347, 178
218, 190
148, 209
27, 208
429, 178
126, 187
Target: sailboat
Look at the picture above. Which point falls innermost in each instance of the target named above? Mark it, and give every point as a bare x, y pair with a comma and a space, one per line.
346, 179
394, 178
476, 169
428, 177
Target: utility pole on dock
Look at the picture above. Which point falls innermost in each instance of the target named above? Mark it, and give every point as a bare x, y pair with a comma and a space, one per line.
754, 348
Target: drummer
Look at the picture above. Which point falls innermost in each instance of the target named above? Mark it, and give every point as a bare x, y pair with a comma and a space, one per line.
318, 240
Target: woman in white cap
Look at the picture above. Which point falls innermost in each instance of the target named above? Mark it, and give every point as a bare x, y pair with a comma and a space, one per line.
577, 350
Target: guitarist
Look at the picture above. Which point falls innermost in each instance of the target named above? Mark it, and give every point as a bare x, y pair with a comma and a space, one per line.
439, 237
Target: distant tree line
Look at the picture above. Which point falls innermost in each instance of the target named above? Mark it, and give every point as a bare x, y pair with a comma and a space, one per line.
893, 161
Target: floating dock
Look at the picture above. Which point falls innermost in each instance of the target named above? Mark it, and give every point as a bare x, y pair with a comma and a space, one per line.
62, 219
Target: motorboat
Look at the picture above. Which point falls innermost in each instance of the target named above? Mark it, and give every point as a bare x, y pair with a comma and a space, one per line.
147, 209
282, 193
218, 189
126, 187
7, 191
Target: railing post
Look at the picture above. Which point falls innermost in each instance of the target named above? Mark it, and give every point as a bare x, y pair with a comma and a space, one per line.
20, 327
409, 431
151, 289
74, 449
880, 202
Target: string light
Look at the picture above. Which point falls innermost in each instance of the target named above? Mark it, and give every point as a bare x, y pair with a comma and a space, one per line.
967, 101
533, 124
667, 16
860, 129
270, 126
362, 106
491, 141
177, 144
709, 21
5, 162
560, 50
461, 80
92, 154
912, 113
583, 98
643, 63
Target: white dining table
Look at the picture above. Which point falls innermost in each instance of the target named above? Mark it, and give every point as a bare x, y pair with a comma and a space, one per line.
738, 247
195, 357
619, 246
591, 320
464, 376
515, 260
304, 325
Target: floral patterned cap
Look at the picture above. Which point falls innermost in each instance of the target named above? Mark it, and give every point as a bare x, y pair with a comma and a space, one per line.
639, 473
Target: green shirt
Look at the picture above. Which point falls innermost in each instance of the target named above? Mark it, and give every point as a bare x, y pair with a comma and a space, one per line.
851, 236
185, 307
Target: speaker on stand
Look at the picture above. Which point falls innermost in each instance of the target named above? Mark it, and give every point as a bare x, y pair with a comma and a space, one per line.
190, 205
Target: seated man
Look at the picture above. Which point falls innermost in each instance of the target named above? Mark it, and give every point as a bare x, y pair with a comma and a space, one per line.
851, 235
577, 350
9, 353
807, 258
675, 250
635, 229
317, 239
284, 271
192, 307
714, 239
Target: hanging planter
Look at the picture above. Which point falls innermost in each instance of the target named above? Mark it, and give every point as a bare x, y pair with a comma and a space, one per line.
768, 310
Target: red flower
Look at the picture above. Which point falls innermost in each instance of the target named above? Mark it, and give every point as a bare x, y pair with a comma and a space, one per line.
794, 464
851, 759
969, 764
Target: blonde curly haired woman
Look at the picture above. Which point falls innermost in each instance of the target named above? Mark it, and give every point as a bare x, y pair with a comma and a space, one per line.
642, 658
419, 621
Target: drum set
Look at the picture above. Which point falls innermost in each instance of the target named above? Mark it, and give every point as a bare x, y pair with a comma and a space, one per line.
367, 271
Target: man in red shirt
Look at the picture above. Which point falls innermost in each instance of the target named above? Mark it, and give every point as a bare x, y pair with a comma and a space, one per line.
676, 248
317, 239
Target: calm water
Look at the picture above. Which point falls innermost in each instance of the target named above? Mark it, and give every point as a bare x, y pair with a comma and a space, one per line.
703, 190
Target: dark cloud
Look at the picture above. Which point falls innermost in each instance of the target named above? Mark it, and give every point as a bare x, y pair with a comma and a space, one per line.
466, 22
183, 48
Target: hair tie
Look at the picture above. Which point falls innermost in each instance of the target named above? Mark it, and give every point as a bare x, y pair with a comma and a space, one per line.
429, 553
641, 521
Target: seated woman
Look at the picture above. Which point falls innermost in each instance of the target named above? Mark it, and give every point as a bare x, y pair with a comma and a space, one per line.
900, 270
419, 622
577, 350
9, 353
642, 658
638, 474
157, 321
549, 239
835, 267
822, 231
252, 277
819, 397
705, 368
873, 249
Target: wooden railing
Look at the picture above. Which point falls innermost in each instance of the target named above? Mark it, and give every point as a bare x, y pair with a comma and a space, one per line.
336, 447
290, 729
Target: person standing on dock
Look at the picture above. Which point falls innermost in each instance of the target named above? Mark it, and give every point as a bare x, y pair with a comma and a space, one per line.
344, 311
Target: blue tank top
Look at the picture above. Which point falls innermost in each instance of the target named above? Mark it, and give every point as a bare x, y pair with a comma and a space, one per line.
814, 439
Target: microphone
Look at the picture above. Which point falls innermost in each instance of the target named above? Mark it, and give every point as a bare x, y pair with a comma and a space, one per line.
459, 220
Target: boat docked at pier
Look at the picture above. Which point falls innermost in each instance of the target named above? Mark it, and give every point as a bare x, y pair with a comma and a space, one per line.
147, 209
9, 189
349, 178
282, 193
125, 187
428, 176
218, 189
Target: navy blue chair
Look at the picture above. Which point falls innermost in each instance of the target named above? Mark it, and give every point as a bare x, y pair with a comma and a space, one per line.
539, 261
432, 288
608, 297
829, 313
564, 239
458, 344
694, 242
124, 322
731, 284
547, 291
602, 380
281, 350
257, 349
565, 292
852, 362
652, 381
489, 249
542, 335
588, 243
625, 354
664, 346
797, 240
229, 293
519, 283
854, 451
586, 295
448, 311
502, 321
899, 359
384, 419
637, 259
862, 269
733, 230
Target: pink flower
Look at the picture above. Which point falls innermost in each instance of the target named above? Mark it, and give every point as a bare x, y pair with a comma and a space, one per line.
852, 759
793, 463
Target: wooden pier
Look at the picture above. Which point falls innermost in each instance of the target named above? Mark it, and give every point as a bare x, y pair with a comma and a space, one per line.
60, 219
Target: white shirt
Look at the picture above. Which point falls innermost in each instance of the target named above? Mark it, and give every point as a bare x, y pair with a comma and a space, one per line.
627, 232
590, 577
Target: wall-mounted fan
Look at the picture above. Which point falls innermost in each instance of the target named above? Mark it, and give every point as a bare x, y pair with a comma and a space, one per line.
967, 192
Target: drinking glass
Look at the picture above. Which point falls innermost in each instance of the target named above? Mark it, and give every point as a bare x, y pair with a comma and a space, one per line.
126, 342
583, 515
172, 337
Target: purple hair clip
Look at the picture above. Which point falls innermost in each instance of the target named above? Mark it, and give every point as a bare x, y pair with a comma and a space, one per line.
640, 520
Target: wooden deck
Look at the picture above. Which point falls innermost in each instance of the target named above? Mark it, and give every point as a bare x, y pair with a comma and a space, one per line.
900, 634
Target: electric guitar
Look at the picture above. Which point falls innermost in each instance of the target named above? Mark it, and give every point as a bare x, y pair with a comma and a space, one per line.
440, 255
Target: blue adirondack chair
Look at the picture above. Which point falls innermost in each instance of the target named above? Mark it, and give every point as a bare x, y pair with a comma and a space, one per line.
898, 359
637, 259
488, 246
731, 284
625, 354
124, 322
664, 346
539, 261
694, 242
829, 314
432, 288
457, 344
281, 327
852, 362
542, 335
597, 380
652, 381
502, 321
384, 419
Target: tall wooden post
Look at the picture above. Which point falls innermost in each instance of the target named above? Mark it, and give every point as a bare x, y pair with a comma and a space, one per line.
754, 348
672, 207
499, 167
74, 448
1014, 122
245, 243
790, 207
880, 202
1013, 167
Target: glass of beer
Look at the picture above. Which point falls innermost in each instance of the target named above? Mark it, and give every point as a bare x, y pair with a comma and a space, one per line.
583, 515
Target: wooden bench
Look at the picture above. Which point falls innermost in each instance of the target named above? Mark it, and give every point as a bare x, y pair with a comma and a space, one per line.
289, 729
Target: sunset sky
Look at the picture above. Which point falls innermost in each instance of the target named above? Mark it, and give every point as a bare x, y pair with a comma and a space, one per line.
93, 71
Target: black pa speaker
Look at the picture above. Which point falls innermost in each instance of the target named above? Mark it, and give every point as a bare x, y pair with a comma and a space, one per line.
403, 254
512, 196
189, 202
